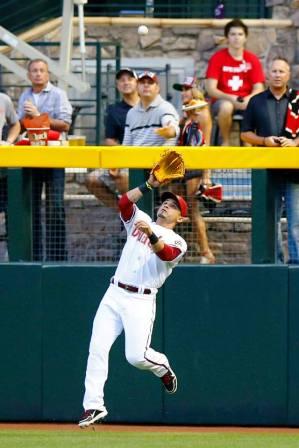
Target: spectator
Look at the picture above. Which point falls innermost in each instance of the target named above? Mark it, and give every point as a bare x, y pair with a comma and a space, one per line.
153, 121
192, 135
234, 75
271, 119
9, 131
107, 184
40, 98
190, 91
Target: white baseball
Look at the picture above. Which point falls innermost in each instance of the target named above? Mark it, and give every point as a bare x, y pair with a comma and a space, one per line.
142, 30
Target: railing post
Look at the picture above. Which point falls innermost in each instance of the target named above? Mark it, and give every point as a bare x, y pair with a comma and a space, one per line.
136, 178
264, 210
20, 214
98, 92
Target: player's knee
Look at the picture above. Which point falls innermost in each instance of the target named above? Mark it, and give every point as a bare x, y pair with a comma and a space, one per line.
137, 361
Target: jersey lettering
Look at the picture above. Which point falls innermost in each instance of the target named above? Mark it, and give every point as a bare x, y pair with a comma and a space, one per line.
140, 236
243, 68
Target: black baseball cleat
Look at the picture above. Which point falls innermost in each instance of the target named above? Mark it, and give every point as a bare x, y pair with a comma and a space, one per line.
170, 381
92, 416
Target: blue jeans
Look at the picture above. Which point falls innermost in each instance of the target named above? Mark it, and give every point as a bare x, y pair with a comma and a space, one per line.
3, 197
53, 179
289, 191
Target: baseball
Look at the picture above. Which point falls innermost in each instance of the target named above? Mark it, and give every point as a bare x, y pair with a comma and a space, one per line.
142, 30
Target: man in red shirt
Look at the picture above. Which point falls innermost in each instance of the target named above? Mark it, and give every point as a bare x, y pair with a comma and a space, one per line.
233, 76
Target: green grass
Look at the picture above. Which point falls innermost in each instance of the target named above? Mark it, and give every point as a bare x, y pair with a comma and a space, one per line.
101, 439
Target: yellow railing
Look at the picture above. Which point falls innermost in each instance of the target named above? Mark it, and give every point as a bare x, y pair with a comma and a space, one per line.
144, 157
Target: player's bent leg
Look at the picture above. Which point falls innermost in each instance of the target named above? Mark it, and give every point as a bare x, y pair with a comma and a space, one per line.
170, 381
149, 359
138, 326
158, 364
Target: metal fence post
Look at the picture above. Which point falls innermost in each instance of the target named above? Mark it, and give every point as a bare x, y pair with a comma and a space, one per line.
264, 210
20, 214
136, 178
98, 92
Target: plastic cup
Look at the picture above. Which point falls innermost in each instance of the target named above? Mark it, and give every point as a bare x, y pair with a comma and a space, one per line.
76, 140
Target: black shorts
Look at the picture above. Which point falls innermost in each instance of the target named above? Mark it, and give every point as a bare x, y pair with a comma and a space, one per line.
190, 174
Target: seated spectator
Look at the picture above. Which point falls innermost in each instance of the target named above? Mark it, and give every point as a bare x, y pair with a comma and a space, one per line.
9, 131
192, 135
233, 76
189, 90
103, 183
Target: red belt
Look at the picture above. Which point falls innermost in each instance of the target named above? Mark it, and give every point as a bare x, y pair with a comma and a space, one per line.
130, 288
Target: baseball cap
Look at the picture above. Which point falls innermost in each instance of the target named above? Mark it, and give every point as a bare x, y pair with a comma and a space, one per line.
127, 70
194, 104
178, 199
189, 81
148, 74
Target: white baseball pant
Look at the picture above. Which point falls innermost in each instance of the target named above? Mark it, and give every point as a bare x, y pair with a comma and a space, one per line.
135, 314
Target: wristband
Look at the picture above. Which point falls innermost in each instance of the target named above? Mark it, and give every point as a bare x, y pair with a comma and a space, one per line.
153, 239
145, 188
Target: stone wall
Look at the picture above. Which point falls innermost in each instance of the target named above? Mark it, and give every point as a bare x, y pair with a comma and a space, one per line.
199, 41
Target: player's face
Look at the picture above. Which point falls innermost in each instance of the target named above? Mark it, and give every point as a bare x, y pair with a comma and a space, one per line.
38, 74
147, 89
169, 211
126, 84
279, 74
186, 95
236, 38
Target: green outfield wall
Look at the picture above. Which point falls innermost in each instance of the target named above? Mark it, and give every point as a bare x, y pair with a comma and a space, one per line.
231, 333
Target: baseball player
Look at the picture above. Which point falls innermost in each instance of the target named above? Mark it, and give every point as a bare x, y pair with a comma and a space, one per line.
151, 251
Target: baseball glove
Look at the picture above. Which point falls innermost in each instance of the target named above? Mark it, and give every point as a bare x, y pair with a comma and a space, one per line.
170, 166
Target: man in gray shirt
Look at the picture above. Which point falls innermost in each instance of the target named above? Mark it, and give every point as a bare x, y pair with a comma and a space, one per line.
44, 97
9, 131
153, 121
8, 117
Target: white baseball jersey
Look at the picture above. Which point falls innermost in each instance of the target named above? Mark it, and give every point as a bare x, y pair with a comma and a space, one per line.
139, 265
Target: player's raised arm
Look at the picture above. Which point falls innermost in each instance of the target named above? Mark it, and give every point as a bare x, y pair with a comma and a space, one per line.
127, 201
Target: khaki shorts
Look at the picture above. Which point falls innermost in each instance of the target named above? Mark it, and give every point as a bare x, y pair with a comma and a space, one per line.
109, 181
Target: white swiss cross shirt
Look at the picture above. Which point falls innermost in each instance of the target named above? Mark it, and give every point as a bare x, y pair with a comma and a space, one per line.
138, 264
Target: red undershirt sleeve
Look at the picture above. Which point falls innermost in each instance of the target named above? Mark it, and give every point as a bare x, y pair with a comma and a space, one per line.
126, 207
168, 253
